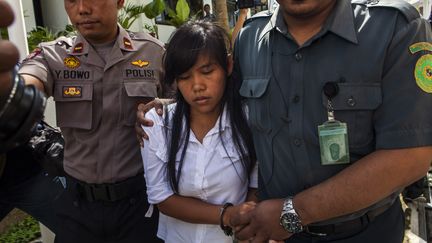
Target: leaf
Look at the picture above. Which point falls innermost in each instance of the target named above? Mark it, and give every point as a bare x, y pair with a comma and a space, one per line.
153, 9
183, 10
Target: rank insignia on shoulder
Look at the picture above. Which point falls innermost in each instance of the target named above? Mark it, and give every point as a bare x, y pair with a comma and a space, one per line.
33, 54
140, 63
423, 68
127, 43
72, 91
78, 48
71, 62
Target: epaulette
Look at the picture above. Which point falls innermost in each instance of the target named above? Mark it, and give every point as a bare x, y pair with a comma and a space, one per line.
408, 10
61, 41
144, 36
260, 15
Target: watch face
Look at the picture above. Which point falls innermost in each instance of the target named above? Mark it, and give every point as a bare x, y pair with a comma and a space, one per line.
291, 223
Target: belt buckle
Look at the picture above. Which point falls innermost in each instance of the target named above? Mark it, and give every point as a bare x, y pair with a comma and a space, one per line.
97, 192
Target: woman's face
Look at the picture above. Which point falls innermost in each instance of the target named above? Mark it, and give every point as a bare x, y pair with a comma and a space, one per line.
203, 85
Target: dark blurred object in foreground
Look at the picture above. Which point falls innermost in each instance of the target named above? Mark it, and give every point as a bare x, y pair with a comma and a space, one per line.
20, 110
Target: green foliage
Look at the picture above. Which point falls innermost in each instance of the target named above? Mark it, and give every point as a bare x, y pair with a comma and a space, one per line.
43, 34
22, 232
129, 14
4, 34
180, 15
155, 8
152, 29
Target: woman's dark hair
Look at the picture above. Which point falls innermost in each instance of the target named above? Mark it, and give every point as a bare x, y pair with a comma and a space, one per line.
186, 44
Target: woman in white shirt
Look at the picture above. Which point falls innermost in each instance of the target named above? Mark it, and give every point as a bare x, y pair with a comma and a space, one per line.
199, 159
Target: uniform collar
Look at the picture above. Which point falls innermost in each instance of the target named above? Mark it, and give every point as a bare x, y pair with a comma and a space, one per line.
124, 41
340, 22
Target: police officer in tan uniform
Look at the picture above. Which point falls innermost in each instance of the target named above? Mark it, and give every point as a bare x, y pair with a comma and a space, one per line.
97, 78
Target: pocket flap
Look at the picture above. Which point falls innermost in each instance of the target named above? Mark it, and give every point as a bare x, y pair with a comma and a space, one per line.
141, 89
254, 87
73, 91
229, 153
356, 96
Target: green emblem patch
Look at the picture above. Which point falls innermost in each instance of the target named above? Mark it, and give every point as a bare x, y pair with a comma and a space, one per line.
423, 69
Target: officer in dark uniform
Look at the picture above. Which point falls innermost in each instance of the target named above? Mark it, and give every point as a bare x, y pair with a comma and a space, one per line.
339, 97
97, 78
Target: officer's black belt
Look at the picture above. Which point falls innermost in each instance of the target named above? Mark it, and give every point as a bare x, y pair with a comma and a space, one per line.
354, 225
110, 192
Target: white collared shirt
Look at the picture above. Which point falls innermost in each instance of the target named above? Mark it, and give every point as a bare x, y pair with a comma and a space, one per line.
208, 174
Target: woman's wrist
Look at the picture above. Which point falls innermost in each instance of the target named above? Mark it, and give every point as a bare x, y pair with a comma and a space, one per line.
224, 218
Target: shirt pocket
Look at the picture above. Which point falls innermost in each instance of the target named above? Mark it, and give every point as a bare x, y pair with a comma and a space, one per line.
255, 90
231, 161
355, 105
74, 104
135, 92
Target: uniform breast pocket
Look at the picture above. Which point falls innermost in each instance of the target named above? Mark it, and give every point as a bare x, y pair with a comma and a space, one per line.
258, 100
355, 104
135, 92
74, 104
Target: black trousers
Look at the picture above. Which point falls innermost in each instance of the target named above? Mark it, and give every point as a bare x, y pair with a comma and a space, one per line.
387, 227
122, 221
26, 186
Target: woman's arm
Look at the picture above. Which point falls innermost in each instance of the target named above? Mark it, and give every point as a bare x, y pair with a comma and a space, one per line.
190, 209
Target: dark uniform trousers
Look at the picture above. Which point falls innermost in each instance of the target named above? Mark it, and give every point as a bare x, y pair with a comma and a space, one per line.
387, 227
25, 185
88, 220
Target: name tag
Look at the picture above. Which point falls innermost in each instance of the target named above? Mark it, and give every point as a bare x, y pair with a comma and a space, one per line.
333, 140
73, 74
149, 74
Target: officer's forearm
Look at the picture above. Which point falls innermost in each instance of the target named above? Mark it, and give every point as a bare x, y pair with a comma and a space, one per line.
362, 184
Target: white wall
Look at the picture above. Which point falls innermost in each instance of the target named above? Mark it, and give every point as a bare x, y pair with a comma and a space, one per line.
29, 16
54, 15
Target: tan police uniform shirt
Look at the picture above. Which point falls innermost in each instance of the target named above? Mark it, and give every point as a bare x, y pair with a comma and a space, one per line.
96, 100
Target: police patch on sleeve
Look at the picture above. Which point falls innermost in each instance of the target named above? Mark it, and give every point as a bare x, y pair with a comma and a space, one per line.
33, 54
423, 68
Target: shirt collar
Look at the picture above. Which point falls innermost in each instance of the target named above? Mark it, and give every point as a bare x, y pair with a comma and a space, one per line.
223, 119
340, 22
124, 41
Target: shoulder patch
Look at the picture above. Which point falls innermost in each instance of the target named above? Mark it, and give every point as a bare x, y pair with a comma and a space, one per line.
423, 68
142, 36
260, 15
408, 10
36, 52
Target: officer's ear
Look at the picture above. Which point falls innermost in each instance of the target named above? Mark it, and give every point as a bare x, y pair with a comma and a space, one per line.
120, 4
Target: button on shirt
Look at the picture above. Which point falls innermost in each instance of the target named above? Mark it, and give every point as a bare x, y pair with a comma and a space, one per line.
209, 173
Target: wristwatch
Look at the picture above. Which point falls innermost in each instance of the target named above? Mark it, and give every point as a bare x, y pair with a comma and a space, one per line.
289, 219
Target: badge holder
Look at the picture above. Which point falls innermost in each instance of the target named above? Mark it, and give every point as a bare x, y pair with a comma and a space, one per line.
333, 134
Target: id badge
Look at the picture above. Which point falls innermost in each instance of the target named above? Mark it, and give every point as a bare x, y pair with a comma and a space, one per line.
333, 140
